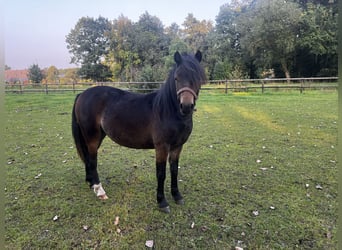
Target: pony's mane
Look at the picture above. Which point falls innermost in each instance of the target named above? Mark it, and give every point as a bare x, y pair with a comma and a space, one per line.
166, 97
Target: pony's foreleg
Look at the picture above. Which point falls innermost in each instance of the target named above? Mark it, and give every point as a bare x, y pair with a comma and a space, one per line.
173, 160
161, 157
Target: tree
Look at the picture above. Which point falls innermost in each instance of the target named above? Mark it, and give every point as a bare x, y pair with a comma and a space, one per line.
89, 44
173, 31
195, 32
269, 32
52, 75
224, 42
71, 75
122, 58
317, 42
35, 74
134, 46
151, 43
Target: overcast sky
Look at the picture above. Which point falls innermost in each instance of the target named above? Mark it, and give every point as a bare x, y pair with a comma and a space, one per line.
35, 30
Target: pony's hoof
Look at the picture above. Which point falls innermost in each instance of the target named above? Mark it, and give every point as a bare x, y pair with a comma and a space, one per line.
165, 209
99, 191
103, 197
180, 202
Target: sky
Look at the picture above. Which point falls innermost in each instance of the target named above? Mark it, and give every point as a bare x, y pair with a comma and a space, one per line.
35, 30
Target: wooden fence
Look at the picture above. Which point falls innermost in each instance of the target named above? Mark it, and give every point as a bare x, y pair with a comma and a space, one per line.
235, 85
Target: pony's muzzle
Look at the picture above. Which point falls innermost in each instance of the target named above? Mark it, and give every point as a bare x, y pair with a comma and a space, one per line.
186, 108
187, 98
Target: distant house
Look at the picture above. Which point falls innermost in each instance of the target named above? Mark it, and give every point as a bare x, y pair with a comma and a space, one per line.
16, 76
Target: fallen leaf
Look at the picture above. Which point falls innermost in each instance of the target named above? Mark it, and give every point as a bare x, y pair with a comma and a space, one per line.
37, 176
328, 235
55, 218
255, 212
118, 230
192, 225
116, 222
85, 227
149, 243
258, 161
319, 187
238, 248
263, 169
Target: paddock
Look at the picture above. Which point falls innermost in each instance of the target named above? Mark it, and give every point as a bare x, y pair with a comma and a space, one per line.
261, 171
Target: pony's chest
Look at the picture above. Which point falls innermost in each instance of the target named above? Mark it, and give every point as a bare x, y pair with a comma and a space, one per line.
177, 133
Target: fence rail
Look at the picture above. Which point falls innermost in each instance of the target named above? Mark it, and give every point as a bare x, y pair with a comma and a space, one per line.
226, 85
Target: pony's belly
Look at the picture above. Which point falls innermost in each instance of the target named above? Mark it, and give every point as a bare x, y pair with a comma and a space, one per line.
132, 140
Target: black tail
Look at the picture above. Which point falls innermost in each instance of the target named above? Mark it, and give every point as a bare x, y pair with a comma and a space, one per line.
81, 146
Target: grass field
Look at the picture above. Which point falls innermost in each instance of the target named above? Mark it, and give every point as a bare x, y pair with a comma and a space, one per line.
259, 172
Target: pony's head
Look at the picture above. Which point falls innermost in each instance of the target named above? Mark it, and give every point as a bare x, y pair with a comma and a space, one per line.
188, 76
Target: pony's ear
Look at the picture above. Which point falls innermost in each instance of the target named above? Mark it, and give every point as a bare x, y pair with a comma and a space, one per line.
198, 56
178, 58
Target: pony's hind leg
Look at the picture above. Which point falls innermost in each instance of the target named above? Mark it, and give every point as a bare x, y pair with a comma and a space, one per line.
92, 175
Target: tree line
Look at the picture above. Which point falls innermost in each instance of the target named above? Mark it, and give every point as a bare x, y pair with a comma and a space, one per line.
250, 39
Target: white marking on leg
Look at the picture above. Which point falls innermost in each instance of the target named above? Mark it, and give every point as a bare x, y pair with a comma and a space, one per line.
99, 191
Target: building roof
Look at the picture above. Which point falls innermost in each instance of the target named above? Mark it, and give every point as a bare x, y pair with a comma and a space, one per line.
16, 75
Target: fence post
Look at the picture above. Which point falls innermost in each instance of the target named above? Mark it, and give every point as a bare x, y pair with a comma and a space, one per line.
226, 90
262, 86
73, 87
21, 88
301, 86
46, 89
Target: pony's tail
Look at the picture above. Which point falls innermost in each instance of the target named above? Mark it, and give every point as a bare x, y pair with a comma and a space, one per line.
77, 134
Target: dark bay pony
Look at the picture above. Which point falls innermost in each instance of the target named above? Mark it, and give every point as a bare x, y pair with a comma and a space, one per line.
161, 120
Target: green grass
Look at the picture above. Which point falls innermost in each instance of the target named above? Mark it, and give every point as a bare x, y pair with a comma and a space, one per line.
248, 152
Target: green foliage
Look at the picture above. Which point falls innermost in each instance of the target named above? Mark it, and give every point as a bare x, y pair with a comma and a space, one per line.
222, 70
269, 33
195, 32
35, 74
318, 39
292, 38
96, 72
88, 44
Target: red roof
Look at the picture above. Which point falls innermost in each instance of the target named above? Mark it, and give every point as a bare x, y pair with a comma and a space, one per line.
16, 75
